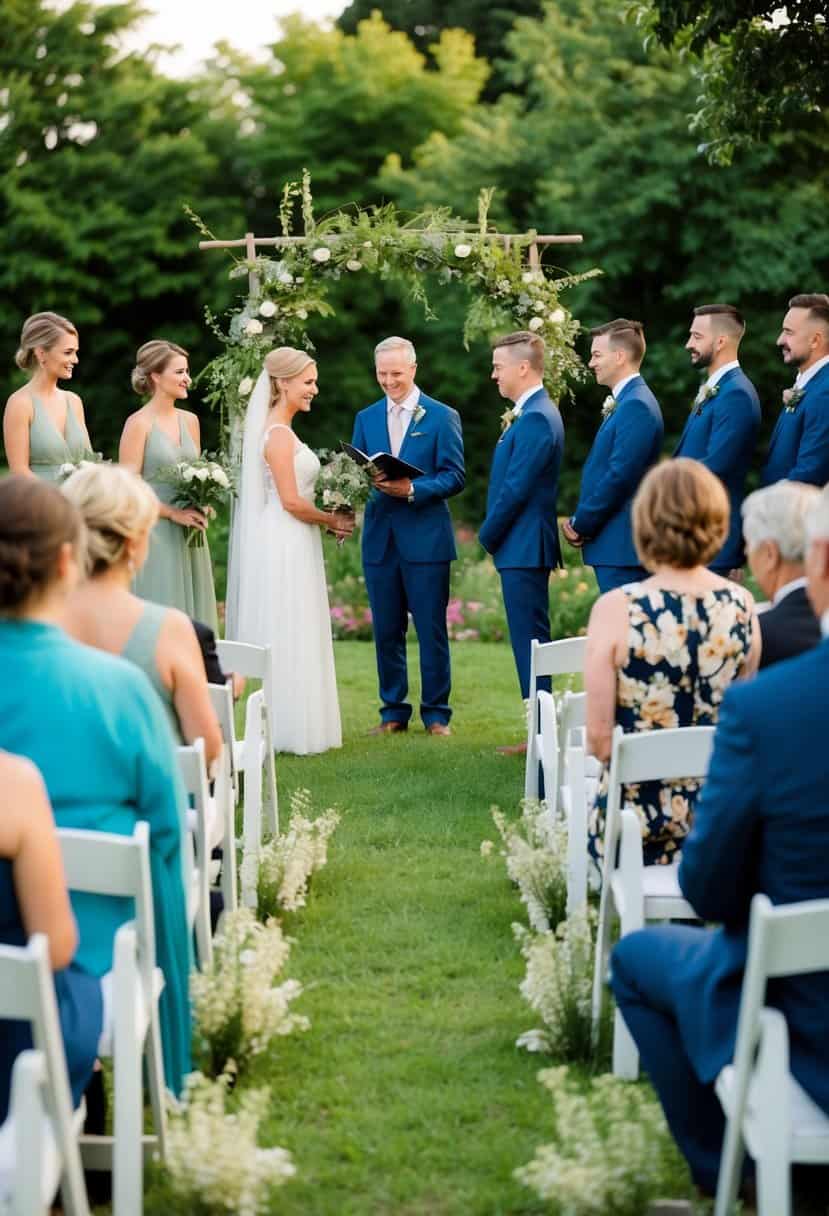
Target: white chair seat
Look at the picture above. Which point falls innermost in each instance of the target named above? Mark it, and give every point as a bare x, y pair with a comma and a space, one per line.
809, 1132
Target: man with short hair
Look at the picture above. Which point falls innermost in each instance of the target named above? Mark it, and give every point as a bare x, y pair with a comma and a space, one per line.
721, 431
799, 447
408, 539
627, 443
520, 528
761, 823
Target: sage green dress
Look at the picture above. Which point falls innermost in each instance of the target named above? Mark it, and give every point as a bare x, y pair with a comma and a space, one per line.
174, 574
48, 449
140, 649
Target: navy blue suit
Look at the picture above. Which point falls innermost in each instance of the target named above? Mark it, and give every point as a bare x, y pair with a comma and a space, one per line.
799, 447
761, 824
721, 433
626, 445
521, 525
407, 549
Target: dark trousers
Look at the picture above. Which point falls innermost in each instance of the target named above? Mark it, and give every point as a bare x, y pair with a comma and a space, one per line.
527, 603
640, 975
611, 577
395, 589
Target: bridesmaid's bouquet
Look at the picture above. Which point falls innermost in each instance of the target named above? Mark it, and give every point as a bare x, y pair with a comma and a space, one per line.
71, 466
202, 485
342, 485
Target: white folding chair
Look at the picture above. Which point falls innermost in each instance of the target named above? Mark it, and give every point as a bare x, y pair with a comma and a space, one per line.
574, 808
633, 891
766, 1110
106, 864
221, 698
201, 822
254, 754
39, 1148
561, 658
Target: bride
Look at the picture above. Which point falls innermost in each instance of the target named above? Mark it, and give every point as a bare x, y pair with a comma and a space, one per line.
277, 592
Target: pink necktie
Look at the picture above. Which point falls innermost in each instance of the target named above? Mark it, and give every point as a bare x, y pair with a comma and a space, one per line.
396, 429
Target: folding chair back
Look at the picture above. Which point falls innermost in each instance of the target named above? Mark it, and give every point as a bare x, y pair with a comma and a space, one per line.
559, 658
548, 750
193, 772
574, 805
254, 662
225, 783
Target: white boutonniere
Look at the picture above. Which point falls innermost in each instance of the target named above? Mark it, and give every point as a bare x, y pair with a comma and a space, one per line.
704, 395
418, 414
509, 416
792, 398
608, 406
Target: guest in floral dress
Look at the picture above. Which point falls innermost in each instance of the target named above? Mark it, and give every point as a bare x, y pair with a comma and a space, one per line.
661, 652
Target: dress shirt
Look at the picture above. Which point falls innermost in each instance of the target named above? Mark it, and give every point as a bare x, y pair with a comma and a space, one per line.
824, 624
617, 388
717, 376
803, 378
407, 408
524, 398
788, 588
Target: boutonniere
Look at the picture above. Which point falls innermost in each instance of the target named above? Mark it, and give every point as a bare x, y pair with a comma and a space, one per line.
703, 396
418, 414
608, 406
509, 416
792, 398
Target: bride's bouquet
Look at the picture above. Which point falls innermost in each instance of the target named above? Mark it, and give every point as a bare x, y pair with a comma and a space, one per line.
202, 485
343, 485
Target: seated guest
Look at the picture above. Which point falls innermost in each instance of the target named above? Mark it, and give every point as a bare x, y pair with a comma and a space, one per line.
661, 652
96, 730
206, 639
119, 510
761, 824
34, 899
774, 526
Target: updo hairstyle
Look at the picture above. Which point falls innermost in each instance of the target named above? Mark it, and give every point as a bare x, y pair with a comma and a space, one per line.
151, 358
116, 506
283, 364
680, 515
44, 329
35, 522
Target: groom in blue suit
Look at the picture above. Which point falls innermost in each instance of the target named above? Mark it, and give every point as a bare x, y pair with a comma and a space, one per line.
627, 443
408, 539
721, 431
799, 448
761, 824
520, 529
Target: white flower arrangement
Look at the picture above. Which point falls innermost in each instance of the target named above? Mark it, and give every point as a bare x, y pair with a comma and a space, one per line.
253, 327
535, 851
613, 1151
213, 1162
245, 386
287, 862
558, 316
558, 985
86, 461
342, 484
536, 323
286, 278
267, 308
321, 254
353, 264
238, 1007
462, 251
203, 484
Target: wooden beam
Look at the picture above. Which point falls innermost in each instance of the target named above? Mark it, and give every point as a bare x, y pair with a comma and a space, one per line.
249, 241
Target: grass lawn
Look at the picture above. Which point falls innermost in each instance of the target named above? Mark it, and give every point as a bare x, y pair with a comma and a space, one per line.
407, 1095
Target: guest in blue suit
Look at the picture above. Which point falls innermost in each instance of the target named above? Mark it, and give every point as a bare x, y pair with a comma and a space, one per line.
408, 539
762, 824
520, 529
799, 447
721, 431
626, 445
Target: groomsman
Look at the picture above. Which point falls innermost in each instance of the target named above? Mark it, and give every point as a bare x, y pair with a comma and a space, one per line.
721, 431
408, 539
627, 443
799, 448
520, 528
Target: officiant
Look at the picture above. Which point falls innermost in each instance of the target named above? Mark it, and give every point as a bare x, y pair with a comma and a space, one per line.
408, 539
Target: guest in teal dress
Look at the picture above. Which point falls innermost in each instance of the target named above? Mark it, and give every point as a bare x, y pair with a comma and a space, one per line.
154, 438
34, 899
95, 728
43, 426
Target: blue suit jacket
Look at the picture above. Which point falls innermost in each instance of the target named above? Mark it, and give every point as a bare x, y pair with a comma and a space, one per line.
626, 445
722, 436
521, 525
761, 824
799, 447
422, 530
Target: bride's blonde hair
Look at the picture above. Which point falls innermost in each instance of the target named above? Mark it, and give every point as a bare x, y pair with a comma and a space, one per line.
283, 364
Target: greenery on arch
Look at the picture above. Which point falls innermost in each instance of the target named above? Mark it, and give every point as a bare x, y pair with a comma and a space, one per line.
293, 287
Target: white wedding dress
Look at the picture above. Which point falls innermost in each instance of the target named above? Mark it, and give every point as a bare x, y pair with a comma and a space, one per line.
283, 603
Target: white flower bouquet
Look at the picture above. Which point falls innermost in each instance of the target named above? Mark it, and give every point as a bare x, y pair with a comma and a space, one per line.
287, 862
203, 484
534, 848
558, 986
71, 466
343, 485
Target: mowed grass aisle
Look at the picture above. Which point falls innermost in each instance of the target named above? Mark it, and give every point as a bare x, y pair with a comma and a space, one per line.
408, 1095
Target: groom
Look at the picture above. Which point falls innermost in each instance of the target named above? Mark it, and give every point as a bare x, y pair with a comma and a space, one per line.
408, 540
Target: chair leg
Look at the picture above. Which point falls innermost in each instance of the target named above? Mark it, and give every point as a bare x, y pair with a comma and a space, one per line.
251, 825
774, 1186
128, 1113
204, 939
625, 1051
602, 955
271, 789
731, 1163
155, 1079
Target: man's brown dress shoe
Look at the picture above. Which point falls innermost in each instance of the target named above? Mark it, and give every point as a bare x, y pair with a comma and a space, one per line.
515, 749
438, 728
389, 728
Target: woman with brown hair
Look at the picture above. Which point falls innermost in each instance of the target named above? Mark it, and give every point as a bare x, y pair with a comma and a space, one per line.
156, 437
661, 652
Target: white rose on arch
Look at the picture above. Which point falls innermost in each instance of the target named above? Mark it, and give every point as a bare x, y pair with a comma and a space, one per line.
536, 322
267, 308
302, 313
245, 387
253, 327
353, 264
557, 316
285, 277
463, 251
321, 254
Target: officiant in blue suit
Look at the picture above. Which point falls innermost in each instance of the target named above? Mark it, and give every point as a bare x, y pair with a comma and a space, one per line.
520, 529
408, 539
721, 431
799, 447
627, 443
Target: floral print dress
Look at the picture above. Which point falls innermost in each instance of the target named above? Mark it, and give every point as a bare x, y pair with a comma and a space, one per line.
683, 652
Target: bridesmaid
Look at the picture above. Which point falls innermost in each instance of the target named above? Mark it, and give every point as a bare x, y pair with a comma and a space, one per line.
154, 438
43, 426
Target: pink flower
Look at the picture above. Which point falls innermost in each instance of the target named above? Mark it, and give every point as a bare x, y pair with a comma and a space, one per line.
474, 605
367, 617
454, 612
337, 612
